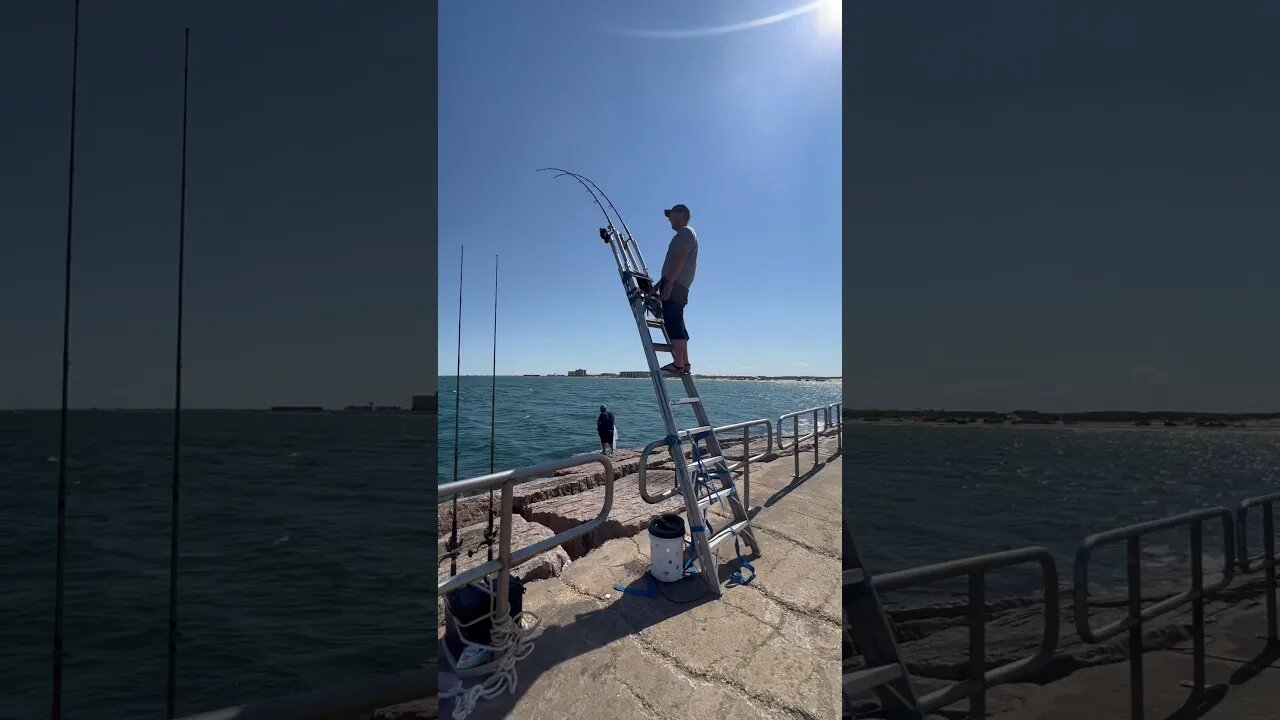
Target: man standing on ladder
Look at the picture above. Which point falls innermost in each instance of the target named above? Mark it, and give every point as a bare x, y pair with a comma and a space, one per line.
604, 428
673, 288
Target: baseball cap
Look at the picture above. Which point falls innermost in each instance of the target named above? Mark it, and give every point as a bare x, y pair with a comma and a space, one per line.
678, 207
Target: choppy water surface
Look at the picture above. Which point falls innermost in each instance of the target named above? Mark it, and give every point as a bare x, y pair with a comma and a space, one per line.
304, 540
544, 418
923, 494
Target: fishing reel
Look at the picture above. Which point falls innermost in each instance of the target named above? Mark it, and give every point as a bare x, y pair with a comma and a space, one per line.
604, 235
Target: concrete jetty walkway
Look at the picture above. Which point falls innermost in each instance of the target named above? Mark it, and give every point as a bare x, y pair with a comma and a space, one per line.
770, 649
1239, 662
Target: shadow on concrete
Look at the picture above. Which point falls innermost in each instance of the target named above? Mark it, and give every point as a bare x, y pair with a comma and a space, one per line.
596, 628
797, 482
584, 631
1256, 664
1199, 704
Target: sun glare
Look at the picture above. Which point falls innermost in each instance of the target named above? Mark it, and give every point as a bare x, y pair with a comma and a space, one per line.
830, 16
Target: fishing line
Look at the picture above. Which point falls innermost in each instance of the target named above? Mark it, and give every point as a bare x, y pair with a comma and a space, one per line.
172, 694
60, 559
493, 404
457, 416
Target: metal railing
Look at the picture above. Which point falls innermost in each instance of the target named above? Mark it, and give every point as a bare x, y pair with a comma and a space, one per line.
1268, 559
975, 568
795, 431
1132, 535
834, 409
744, 464
343, 702
507, 558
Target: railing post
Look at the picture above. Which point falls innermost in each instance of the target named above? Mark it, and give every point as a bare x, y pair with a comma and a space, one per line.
977, 645
815, 436
1269, 562
504, 550
746, 468
1133, 568
839, 428
795, 429
1197, 606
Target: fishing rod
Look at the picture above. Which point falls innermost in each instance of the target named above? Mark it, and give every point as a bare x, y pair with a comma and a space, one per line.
607, 219
457, 416
172, 694
493, 405
60, 560
625, 229
625, 250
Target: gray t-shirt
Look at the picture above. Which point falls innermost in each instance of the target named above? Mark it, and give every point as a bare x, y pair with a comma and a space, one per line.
685, 236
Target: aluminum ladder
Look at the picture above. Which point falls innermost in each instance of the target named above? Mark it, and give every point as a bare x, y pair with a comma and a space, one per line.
868, 632
708, 479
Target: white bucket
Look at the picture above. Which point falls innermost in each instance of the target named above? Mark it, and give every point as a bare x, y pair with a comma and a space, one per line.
666, 548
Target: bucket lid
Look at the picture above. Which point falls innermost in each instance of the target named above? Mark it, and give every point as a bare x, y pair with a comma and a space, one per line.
667, 527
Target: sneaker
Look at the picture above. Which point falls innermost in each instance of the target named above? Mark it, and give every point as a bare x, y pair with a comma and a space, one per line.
473, 657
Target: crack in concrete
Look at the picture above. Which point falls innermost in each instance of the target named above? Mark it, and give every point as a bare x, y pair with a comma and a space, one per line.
772, 703
648, 706
801, 543
796, 608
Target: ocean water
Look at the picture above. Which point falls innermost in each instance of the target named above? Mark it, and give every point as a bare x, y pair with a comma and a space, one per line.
544, 418
304, 557
922, 494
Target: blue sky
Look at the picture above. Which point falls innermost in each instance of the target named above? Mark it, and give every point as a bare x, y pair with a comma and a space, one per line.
1064, 206
744, 127
309, 202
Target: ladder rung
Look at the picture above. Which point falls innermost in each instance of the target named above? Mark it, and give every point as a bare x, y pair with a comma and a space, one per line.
727, 533
708, 464
661, 347
653, 322
686, 401
693, 432
854, 576
715, 497
861, 681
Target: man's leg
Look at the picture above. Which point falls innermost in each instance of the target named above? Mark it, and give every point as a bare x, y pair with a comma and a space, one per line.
680, 352
673, 316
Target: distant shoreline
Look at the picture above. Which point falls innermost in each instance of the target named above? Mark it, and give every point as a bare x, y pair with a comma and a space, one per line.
699, 376
273, 410
1163, 418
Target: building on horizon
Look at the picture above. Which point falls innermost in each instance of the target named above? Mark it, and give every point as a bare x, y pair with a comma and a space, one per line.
633, 374
578, 373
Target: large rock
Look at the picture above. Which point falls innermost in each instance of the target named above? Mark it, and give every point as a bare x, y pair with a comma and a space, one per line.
571, 481
424, 709
473, 552
629, 515
471, 511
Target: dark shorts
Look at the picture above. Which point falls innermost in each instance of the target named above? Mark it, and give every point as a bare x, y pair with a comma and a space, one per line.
673, 312
606, 436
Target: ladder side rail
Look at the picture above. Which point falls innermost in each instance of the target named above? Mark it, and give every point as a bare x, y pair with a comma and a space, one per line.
636, 246
693, 513
869, 628
636, 266
614, 249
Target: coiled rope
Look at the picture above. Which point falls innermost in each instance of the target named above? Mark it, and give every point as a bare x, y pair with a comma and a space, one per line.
513, 639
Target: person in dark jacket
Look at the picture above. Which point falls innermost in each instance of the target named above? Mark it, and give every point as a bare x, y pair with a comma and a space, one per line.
604, 428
